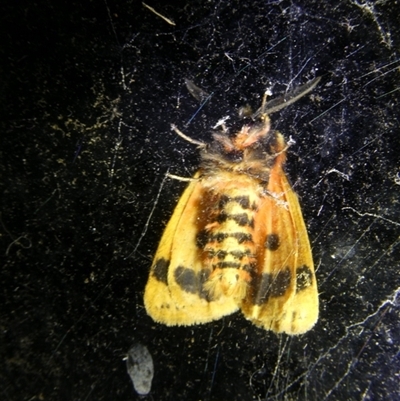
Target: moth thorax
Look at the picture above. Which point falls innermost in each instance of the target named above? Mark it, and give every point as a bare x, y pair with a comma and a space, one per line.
228, 282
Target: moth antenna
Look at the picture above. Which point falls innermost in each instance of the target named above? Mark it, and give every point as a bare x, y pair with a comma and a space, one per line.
287, 99
179, 178
187, 138
263, 103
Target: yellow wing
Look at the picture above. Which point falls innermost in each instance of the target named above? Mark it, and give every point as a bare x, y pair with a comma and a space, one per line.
174, 294
283, 295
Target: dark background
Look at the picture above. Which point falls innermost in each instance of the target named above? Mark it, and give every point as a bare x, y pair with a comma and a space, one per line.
87, 94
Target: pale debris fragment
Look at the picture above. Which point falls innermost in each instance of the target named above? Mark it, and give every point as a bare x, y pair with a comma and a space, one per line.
140, 368
158, 14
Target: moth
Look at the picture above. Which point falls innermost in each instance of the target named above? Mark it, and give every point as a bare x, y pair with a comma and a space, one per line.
237, 239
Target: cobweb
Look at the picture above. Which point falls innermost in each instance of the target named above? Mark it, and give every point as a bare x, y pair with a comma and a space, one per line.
87, 148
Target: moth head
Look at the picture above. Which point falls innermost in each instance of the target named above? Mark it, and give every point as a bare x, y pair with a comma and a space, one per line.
251, 134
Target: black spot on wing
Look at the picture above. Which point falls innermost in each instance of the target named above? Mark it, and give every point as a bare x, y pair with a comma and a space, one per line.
160, 270
187, 279
272, 242
272, 285
281, 283
192, 282
304, 278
